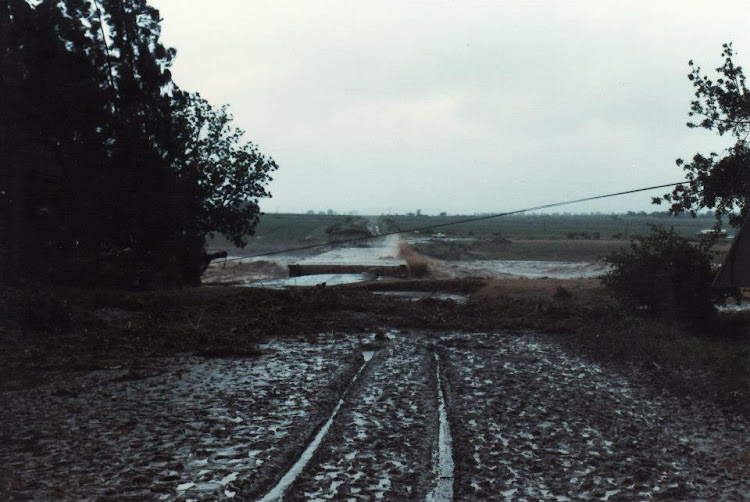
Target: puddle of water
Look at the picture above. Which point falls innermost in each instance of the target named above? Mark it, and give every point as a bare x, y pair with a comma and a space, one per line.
443, 491
310, 281
742, 307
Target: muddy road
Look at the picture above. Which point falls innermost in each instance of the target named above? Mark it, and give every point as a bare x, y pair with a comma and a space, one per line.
398, 416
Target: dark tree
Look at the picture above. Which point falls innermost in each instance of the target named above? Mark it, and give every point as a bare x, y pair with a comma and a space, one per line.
220, 178
106, 163
718, 182
54, 115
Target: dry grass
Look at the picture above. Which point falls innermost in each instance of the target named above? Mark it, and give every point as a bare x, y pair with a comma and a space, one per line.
583, 290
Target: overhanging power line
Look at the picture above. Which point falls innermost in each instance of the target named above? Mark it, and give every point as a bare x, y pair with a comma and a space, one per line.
458, 222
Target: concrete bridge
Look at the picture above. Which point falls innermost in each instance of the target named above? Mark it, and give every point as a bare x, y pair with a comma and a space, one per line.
378, 256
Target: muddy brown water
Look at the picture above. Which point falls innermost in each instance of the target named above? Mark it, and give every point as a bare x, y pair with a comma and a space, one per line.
528, 422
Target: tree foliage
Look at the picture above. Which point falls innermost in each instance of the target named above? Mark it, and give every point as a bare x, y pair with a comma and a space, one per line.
225, 173
102, 152
718, 182
665, 275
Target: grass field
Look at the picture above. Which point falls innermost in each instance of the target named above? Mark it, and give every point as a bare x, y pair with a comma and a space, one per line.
554, 237
556, 226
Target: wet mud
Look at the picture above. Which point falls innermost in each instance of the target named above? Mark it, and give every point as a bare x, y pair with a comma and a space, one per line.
531, 423
381, 447
178, 429
527, 422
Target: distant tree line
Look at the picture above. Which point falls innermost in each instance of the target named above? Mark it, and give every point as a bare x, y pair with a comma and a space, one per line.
108, 167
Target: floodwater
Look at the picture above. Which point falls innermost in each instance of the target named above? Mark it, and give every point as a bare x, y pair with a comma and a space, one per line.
272, 272
378, 252
526, 269
734, 307
311, 280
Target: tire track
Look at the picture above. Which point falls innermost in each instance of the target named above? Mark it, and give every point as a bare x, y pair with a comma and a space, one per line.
277, 492
443, 457
381, 445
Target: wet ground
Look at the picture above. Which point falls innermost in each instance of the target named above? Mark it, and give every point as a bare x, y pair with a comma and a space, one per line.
176, 429
533, 423
527, 421
504, 269
382, 439
272, 271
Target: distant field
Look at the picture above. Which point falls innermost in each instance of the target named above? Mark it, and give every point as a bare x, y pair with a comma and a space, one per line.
564, 237
537, 249
557, 226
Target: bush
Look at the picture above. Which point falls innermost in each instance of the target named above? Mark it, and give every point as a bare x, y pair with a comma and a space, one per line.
665, 275
562, 294
36, 310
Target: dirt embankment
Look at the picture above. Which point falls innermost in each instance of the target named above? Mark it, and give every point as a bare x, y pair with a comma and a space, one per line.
90, 329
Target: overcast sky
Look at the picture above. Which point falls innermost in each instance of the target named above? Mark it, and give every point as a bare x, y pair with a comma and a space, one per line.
464, 107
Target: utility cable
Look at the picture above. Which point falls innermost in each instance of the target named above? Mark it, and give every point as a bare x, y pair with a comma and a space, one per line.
459, 222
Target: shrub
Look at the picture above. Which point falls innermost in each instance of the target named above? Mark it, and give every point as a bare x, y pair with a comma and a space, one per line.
562, 294
665, 275
37, 310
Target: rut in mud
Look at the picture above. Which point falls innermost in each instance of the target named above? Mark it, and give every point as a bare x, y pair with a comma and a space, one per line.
443, 464
382, 443
527, 421
176, 429
279, 489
